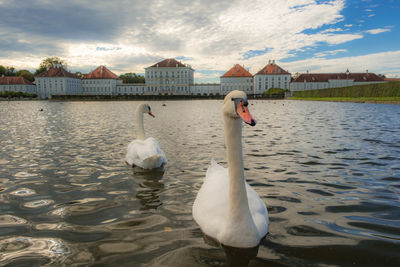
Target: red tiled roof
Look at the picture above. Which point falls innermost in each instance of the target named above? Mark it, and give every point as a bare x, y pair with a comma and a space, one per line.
168, 63
101, 72
324, 77
272, 69
56, 72
237, 71
14, 80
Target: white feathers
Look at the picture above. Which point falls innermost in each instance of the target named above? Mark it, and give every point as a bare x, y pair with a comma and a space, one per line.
210, 209
146, 154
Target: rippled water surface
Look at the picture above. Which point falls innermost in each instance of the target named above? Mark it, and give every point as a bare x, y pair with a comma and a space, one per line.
329, 174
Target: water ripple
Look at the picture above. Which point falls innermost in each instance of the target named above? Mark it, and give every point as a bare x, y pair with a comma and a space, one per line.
328, 172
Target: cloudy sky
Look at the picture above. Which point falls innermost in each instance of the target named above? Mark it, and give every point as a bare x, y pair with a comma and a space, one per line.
210, 35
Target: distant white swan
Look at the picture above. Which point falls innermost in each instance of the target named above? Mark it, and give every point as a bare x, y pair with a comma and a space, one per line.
226, 207
144, 152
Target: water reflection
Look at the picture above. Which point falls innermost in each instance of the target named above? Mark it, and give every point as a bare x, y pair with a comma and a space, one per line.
48, 251
234, 257
150, 186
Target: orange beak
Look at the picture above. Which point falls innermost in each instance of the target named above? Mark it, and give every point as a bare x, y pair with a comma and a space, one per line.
151, 114
244, 113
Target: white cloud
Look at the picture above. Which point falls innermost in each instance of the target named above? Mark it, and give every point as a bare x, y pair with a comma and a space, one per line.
387, 63
330, 53
213, 35
332, 30
377, 31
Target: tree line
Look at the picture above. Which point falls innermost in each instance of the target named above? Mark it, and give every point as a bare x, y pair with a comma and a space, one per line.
51, 61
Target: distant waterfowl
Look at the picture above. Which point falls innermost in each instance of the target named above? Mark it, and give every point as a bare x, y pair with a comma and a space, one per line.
144, 152
226, 208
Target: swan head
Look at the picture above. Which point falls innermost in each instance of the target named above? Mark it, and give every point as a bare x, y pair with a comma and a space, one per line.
144, 108
236, 106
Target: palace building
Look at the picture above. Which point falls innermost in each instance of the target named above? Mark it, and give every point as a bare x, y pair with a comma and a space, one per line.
101, 81
237, 78
16, 84
271, 76
57, 81
169, 77
172, 77
313, 81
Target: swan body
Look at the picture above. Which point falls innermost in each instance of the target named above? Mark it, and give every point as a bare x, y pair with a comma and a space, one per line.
144, 152
226, 207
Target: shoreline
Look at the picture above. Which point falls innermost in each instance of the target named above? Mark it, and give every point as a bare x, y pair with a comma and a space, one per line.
389, 100
155, 97
392, 101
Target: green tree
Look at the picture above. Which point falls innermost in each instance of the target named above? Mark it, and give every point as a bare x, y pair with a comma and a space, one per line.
79, 74
10, 71
2, 70
26, 74
132, 78
48, 63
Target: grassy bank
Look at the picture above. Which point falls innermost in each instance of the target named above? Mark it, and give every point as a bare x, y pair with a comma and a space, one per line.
388, 92
380, 100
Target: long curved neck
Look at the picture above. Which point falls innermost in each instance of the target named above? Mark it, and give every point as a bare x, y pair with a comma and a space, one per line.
139, 126
238, 203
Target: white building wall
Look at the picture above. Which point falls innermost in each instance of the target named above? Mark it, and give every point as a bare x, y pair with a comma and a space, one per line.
25, 88
229, 84
169, 80
263, 82
99, 86
340, 83
206, 89
130, 89
302, 86
48, 86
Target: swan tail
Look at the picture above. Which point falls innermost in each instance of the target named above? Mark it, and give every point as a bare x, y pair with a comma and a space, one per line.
154, 161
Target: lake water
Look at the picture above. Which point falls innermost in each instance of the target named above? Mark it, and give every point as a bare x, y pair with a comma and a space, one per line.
329, 174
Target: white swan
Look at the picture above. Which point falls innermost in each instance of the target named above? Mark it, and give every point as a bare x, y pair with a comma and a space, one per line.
144, 152
226, 208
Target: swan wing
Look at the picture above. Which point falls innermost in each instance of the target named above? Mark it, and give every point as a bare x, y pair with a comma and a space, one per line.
146, 154
210, 208
258, 211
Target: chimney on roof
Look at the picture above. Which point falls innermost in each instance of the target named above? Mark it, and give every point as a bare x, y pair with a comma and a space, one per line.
101, 71
347, 72
176, 65
307, 71
367, 71
157, 65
